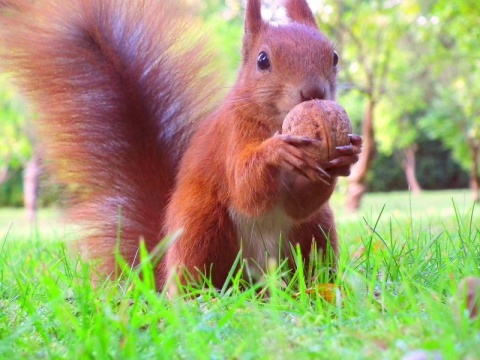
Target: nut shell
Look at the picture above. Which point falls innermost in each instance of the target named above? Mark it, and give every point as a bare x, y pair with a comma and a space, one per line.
324, 120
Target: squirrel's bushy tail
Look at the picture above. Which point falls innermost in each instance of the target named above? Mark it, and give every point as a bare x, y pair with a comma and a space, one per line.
118, 89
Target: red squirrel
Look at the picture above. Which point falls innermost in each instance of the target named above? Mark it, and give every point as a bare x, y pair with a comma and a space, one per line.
126, 119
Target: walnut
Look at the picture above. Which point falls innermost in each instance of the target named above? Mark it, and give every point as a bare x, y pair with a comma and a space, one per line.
323, 120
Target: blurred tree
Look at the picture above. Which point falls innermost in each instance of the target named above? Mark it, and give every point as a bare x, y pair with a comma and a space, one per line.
15, 146
407, 96
366, 33
435, 169
31, 186
223, 21
452, 34
16, 151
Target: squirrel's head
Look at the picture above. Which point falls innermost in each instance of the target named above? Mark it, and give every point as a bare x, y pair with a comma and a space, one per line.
284, 65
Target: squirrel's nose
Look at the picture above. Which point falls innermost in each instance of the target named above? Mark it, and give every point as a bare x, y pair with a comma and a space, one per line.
312, 92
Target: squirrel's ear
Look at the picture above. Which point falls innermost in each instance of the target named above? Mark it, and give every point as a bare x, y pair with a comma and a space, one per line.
299, 11
253, 17
254, 25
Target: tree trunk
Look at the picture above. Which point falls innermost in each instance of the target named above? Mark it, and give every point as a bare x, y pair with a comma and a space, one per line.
356, 180
409, 169
474, 174
4, 174
31, 181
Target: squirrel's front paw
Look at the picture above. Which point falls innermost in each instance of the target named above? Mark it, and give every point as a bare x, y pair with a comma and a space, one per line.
347, 156
297, 154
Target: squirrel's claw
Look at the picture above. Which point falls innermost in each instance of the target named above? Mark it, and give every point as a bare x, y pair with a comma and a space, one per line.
348, 155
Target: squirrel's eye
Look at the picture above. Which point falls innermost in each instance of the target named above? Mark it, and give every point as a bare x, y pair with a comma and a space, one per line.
263, 62
335, 58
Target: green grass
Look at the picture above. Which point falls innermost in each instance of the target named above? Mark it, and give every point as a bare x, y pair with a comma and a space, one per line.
401, 261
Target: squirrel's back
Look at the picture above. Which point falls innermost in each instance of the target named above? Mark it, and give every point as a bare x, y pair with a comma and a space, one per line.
115, 105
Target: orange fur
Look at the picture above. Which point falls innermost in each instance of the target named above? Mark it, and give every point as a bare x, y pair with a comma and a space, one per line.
120, 97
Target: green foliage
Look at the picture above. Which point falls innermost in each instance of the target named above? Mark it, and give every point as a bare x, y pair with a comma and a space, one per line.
386, 174
398, 275
435, 170
457, 128
451, 34
224, 24
11, 191
15, 146
418, 61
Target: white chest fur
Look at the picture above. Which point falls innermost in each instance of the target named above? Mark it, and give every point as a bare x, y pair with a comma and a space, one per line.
263, 237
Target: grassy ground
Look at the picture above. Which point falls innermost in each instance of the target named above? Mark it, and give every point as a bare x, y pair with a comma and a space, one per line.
402, 259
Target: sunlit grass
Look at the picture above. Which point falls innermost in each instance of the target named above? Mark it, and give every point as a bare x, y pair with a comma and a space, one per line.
399, 271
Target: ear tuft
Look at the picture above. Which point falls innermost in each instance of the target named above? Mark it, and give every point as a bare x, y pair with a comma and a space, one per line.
299, 11
253, 17
254, 25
